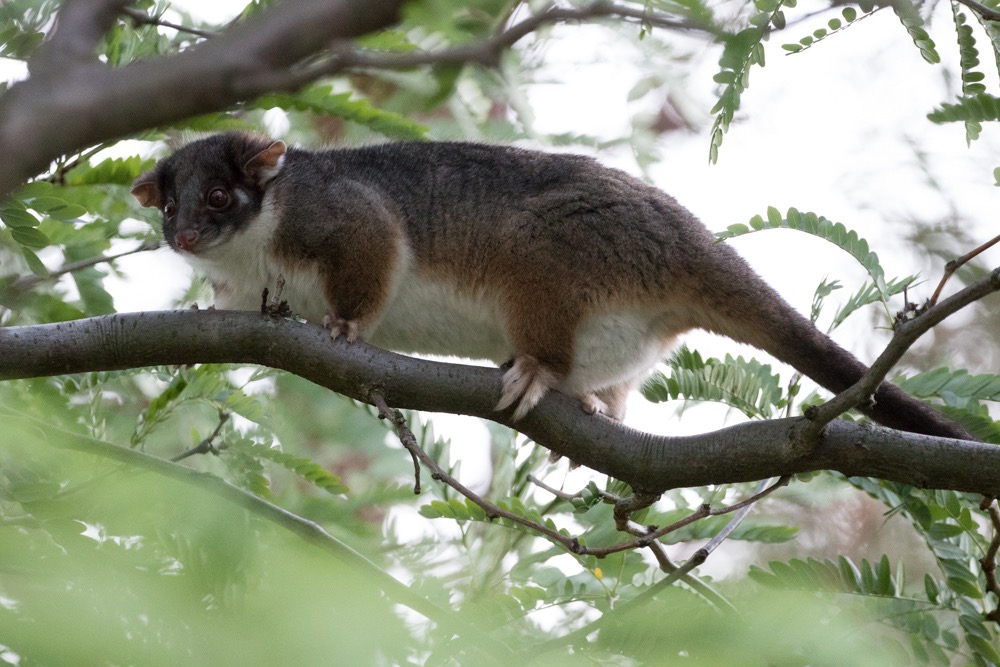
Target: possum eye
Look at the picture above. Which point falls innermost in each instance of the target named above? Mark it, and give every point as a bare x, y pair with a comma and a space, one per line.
218, 199
169, 209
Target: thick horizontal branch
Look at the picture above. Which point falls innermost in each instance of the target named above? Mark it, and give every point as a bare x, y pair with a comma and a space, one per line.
750, 451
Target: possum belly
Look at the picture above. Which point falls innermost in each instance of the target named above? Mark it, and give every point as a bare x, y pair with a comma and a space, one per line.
428, 317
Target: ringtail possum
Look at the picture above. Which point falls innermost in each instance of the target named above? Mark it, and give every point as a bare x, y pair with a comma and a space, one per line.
577, 276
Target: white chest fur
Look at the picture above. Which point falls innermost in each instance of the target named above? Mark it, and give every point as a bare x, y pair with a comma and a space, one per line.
244, 265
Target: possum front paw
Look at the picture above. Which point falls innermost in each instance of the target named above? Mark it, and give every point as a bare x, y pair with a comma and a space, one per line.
525, 383
338, 326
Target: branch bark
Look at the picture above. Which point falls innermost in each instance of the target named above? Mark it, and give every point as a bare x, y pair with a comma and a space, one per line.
745, 452
71, 100
907, 333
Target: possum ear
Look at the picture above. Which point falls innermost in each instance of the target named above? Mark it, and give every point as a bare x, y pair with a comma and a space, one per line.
146, 189
266, 164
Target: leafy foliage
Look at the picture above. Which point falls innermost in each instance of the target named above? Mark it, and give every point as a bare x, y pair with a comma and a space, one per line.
977, 108
951, 532
741, 51
914, 24
322, 100
968, 61
817, 225
848, 15
748, 386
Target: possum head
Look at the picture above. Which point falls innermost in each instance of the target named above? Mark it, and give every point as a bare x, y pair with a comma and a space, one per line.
210, 189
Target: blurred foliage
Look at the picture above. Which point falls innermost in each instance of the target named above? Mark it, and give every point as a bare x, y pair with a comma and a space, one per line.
105, 560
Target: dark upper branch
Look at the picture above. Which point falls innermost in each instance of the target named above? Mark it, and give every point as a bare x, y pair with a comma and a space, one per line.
80, 25
985, 12
61, 109
750, 451
80, 103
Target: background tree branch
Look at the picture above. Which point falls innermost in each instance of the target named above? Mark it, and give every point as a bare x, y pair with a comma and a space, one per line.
73, 88
749, 451
268, 53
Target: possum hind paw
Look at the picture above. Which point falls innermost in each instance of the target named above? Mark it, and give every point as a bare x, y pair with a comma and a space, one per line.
525, 383
341, 327
593, 405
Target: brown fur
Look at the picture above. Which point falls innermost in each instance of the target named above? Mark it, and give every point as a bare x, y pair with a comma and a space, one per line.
582, 275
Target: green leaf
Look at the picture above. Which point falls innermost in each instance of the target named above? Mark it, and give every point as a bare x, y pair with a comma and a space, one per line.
968, 61
963, 586
980, 108
113, 171
323, 101
34, 263
818, 226
931, 588
14, 216
30, 237
910, 18
984, 649
304, 468
960, 383
869, 294
746, 385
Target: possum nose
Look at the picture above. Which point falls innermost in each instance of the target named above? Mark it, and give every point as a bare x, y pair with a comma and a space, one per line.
186, 239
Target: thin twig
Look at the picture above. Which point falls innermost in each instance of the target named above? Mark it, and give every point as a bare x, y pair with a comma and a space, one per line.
702, 512
955, 264
676, 573
985, 12
623, 506
28, 282
409, 441
907, 333
741, 509
59, 175
487, 51
562, 495
989, 561
205, 446
759, 494
142, 18
406, 437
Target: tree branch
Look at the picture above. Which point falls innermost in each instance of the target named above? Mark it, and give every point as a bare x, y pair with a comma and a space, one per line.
745, 452
487, 51
907, 333
985, 12
246, 60
73, 88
